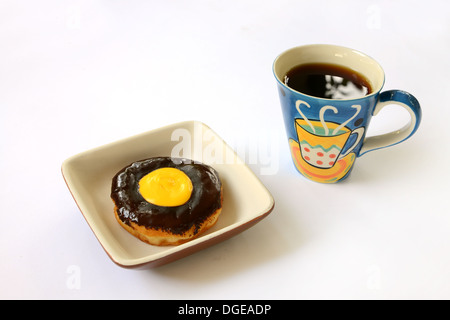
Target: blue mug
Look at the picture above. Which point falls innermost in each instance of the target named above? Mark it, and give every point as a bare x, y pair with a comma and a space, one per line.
327, 135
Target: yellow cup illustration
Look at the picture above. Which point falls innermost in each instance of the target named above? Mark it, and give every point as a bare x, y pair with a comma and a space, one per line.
321, 144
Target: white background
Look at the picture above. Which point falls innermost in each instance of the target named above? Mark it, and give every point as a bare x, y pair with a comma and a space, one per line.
75, 75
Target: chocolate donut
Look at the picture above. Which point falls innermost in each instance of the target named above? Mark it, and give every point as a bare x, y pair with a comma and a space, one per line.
168, 206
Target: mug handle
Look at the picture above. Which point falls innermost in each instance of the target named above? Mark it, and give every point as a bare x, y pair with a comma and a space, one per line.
407, 101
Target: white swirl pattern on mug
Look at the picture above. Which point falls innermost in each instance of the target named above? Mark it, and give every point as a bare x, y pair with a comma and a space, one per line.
322, 118
322, 111
297, 105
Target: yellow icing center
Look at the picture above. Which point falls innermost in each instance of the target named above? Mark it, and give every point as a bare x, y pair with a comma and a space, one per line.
167, 187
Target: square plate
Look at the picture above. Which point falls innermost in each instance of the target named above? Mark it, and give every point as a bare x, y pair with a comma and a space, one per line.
88, 176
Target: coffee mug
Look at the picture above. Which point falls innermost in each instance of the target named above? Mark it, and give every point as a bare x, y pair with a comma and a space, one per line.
326, 135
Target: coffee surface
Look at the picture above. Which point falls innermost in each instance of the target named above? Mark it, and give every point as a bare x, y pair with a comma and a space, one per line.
327, 81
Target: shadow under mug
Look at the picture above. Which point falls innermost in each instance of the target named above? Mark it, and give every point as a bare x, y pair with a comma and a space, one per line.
327, 135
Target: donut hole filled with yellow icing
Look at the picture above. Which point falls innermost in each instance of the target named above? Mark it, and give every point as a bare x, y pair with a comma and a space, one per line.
167, 187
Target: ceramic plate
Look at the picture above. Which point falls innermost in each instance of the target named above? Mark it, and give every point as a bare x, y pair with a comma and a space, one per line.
88, 176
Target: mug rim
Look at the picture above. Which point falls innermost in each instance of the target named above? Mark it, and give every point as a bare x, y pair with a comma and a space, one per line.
376, 90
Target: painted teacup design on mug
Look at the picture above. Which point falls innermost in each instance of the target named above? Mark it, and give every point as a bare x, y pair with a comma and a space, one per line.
319, 150
322, 142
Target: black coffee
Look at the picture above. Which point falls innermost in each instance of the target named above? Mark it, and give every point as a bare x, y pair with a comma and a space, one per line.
327, 81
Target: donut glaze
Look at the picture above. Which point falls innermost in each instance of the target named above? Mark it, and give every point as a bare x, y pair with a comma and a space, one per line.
132, 207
